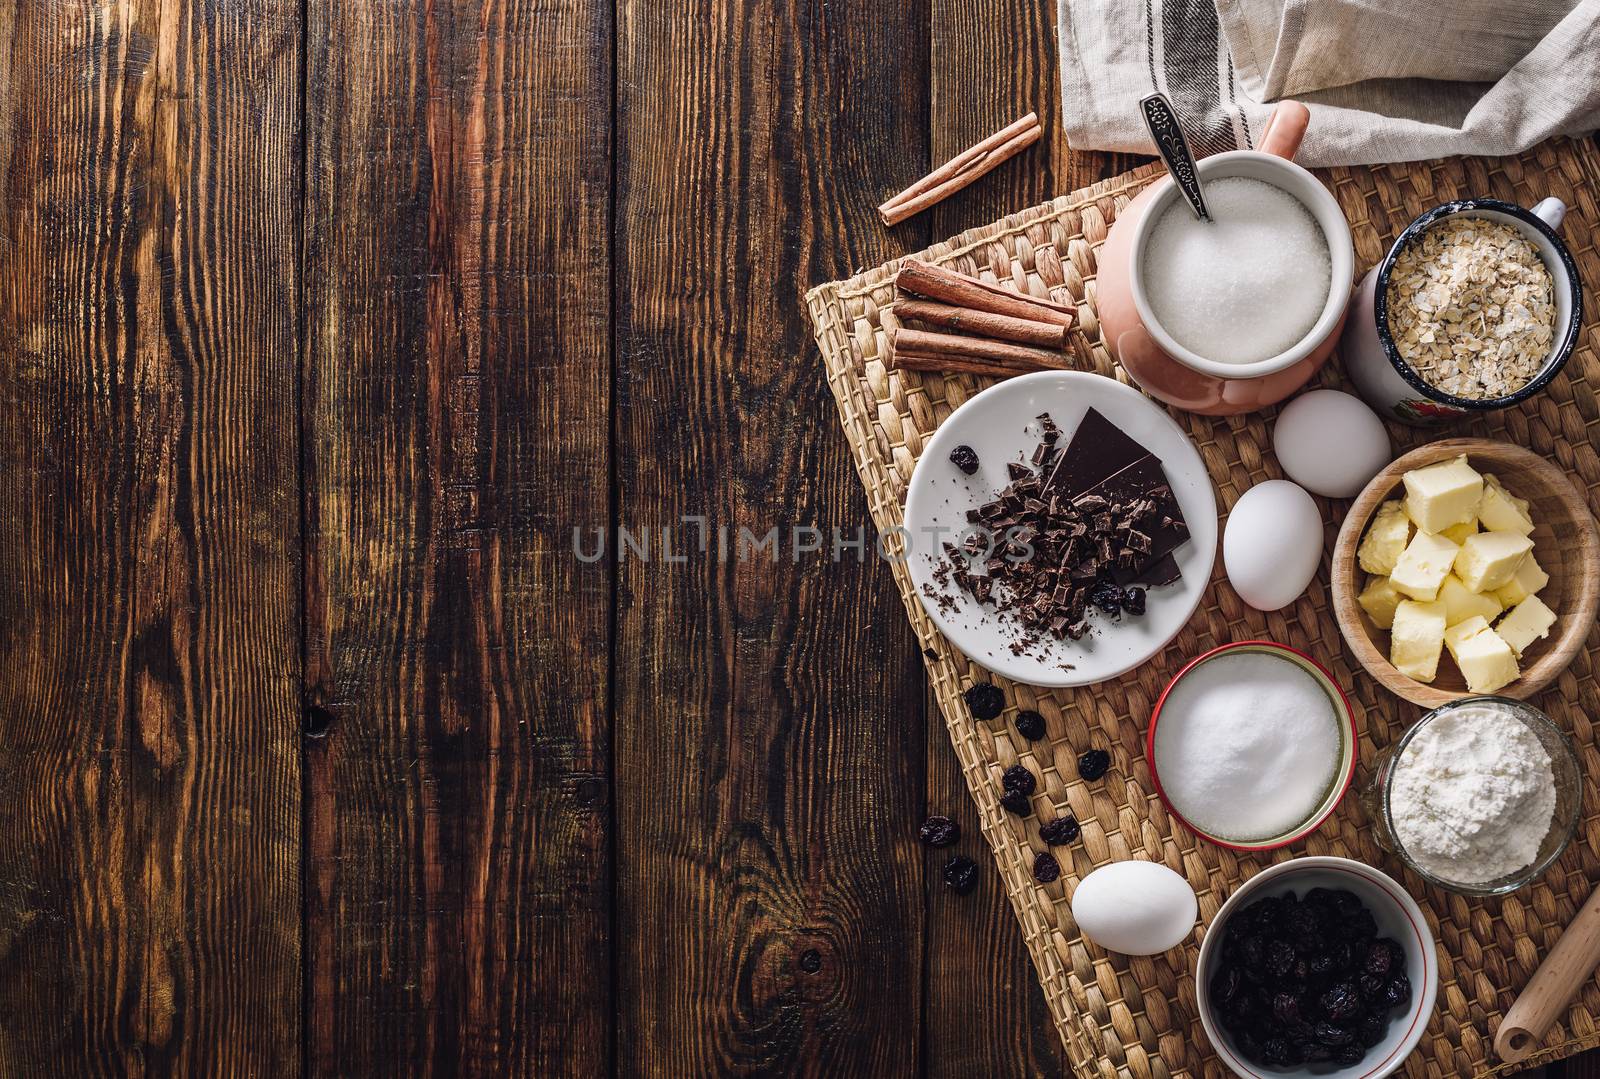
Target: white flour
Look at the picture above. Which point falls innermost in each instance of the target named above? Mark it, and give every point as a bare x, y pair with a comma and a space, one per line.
1473, 795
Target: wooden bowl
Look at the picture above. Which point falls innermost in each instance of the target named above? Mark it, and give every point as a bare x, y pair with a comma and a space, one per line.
1564, 539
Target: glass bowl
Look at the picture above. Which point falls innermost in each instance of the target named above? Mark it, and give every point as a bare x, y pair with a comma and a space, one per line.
1563, 823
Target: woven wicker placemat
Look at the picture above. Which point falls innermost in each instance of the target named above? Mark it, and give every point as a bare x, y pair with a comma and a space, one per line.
1136, 1016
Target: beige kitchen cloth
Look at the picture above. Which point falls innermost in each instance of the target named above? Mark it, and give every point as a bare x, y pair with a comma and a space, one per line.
1386, 80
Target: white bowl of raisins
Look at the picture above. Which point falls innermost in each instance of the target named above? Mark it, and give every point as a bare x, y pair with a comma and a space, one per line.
1317, 967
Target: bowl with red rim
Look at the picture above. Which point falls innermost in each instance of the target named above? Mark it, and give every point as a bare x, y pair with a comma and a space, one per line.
1398, 917
1344, 771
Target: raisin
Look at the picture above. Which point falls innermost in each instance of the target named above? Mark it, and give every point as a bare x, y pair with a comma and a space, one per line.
1397, 992
1060, 831
1379, 958
965, 458
1107, 596
1093, 764
961, 873
1372, 987
939, 832
1279, 959
1360, 927
1224, 985
1341, 1002
1332, 1034
1046, 868
1018, 778
1345, 902
1286, 1008
985, 700
1372, 1030
1312, 1051
1348, 1056
1279, 1053
1030, 725
1016, 802
1133, 600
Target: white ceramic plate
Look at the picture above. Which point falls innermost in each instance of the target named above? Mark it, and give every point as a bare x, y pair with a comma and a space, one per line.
1000, 425
1398, 917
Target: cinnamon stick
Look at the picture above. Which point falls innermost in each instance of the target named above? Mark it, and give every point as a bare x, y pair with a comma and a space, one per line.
962, 169
938, 283
946, 365
927, 343
971, 320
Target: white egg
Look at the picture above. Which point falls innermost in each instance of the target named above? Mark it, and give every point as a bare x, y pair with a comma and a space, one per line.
1330, 443
1272, 544
1136, 908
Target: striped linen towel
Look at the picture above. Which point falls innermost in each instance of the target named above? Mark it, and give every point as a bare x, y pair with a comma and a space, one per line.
1386, 80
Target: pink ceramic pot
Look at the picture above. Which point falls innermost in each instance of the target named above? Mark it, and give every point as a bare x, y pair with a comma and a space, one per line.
1172, 373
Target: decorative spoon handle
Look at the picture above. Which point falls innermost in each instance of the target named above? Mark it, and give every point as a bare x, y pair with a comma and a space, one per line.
1162, 120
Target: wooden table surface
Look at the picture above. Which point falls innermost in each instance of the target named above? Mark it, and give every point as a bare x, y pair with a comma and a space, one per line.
321, 327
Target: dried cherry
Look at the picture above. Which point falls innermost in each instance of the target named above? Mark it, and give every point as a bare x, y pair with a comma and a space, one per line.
939, 832
961, 873
1030, 725
1303, 980
985, 700
1018, 778
1060, 831
965, 458
1093, 764
1016, 802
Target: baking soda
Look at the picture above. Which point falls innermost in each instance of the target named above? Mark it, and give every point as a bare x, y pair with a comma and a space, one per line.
1246, 286
1247, 746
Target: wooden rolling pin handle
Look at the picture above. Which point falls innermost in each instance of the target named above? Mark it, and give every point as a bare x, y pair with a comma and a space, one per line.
1569, 965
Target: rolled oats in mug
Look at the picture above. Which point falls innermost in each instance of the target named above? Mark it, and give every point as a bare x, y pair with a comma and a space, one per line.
1471, 308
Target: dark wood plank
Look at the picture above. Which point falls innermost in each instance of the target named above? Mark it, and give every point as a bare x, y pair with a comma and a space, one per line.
149, 637
456, 401
769, 738
992, 62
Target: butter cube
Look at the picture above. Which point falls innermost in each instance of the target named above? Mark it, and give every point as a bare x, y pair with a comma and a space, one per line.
1456, 634
1423, 566
1461, 603
1459, 533
1442, 495
1385, 539
1379, 600
1520, 503
1416, 639
1529, 578
1490, 559
1527, 622
1486, 661
1499, 513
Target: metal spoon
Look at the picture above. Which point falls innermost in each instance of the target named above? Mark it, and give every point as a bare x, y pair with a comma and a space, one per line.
1162, 120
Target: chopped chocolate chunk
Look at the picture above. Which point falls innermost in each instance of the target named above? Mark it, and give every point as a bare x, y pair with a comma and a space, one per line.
1046, 868
939, 832
1046, 551
1018, 778
965, 458
1016, 802
961, 873
1093, 764
985, 700
1030, 725
1060, 831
